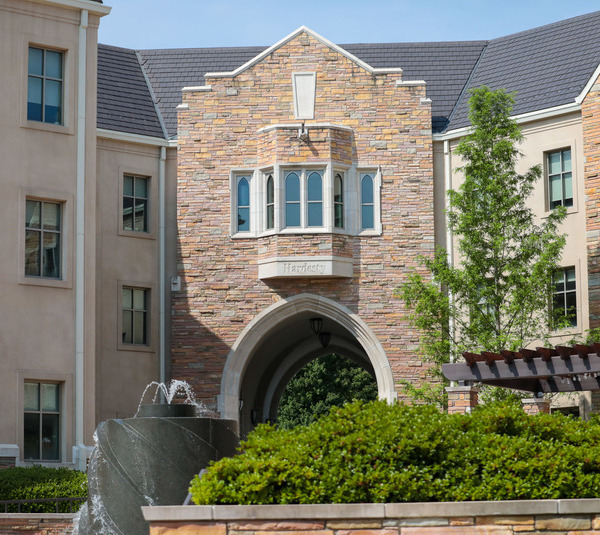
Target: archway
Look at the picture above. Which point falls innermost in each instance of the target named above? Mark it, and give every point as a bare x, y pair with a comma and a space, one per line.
278, 342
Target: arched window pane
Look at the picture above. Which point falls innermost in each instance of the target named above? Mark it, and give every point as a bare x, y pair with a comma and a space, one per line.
243, 205
315, 200
367, 207
315, 189
292, 200
270, 203
338, 201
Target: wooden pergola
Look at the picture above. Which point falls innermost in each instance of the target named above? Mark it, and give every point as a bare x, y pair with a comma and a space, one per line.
541, 370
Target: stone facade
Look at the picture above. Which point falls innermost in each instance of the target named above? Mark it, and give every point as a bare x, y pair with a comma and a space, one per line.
590, 113
362, 120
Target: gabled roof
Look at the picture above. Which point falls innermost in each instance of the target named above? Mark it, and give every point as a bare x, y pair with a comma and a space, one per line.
124, 99
547, 66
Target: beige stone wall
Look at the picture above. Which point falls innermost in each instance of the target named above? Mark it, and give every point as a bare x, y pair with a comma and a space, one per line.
38, 315
219, 133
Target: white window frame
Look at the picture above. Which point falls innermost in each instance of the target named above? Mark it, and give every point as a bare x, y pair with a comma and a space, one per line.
375, 174
255, 213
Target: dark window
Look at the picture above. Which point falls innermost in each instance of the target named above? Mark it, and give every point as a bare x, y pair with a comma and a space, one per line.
560, 178
135, 316
315, 200
564, 305
45, 86
270, 203
42, 239
292, 200
41, 431
367, 213
243, 201
338, 201
135, 203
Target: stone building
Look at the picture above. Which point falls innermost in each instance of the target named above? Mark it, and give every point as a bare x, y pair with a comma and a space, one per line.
187, 213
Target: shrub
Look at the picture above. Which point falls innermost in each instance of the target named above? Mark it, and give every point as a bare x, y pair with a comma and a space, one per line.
396, 453
39, 482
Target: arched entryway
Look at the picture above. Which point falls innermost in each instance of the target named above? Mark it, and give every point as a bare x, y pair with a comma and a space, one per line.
279, 341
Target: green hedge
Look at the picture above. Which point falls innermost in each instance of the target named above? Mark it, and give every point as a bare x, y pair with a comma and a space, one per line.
38, 482
380, 453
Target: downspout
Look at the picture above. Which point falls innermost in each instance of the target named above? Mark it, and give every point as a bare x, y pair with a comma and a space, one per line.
161, 268
80, 243
449, 240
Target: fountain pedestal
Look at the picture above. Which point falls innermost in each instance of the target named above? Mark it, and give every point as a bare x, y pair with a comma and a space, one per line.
148, 460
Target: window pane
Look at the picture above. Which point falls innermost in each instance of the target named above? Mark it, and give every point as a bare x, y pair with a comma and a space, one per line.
338, 215
32, 253
139, 299
128, 185
51, 258
315, 192
270, 190
127, 298
270, 216
338, 191
50, 437
566, 157
36, 61
568, 180
243, 193
367, 216
292, 188
54, 64
141, 187
53, 102
127, 333
554, 166
127, 213
32, 396
292, 214
34, 99
367, 190
49, 394
31, 436
315, 214
51, 216
139, 327
243, 219
32, 214
555, 190
570, 278
140, 215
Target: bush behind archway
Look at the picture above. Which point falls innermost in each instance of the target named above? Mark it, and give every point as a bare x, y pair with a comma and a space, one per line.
375, 452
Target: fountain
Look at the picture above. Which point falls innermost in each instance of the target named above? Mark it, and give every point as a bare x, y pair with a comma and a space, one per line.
150, 459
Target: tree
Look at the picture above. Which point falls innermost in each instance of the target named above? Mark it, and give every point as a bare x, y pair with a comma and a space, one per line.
497, 297
326, 382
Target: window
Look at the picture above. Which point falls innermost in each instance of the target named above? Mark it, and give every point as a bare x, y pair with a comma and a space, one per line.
367, 205
564, 302
338, 201
45, 86
43, 239
560, 178
134, 305
315, 200
292, 200
270, 203
307, 185
41, 430
243, 203
135, 203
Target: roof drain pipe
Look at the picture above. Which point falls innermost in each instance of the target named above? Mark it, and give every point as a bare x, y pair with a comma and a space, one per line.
449, 240
80, 402
161, 267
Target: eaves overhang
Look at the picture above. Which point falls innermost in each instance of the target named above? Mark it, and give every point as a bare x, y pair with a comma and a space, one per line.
92, 7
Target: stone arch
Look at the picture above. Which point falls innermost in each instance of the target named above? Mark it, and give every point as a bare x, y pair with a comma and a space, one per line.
268, 320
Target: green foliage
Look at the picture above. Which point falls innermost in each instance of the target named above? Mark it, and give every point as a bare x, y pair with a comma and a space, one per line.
497, 296
396, 453
326, 382
38, 482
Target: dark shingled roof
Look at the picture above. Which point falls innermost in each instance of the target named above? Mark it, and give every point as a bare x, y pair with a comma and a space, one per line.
172, 69
124, 99
546, 66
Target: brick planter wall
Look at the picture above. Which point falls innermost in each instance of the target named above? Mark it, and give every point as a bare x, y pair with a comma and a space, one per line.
556, 517
36, 524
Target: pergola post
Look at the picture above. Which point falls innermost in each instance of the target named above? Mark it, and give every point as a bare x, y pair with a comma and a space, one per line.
462, 399
535, 406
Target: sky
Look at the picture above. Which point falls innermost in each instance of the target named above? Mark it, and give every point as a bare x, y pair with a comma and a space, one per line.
146, 24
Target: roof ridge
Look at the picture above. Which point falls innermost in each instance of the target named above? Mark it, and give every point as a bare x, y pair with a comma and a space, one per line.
152, 96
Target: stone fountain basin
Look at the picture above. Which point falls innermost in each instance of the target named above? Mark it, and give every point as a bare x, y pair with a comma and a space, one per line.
167, 411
